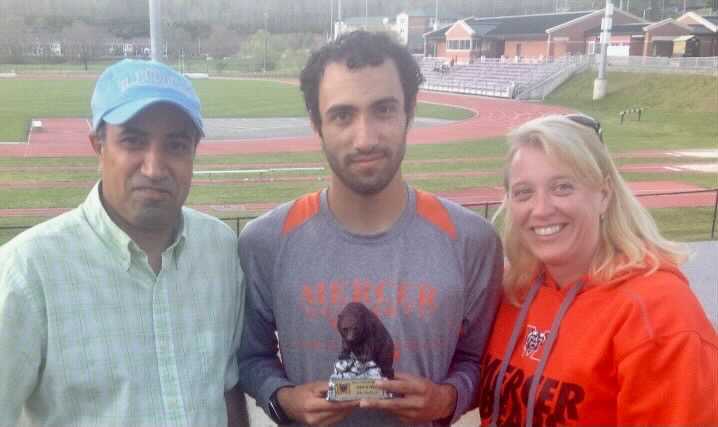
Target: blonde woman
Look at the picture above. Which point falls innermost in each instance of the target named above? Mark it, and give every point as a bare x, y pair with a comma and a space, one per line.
597, 326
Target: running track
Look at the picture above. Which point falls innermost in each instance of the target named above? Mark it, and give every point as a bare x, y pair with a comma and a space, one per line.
492, 118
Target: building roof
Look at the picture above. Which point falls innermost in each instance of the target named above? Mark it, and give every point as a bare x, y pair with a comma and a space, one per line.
699, 30
709, 22
507, 27
481, 29
525, 24
438, 34
512, 25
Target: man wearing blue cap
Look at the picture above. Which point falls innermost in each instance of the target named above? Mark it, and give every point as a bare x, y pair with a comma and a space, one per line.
125, 310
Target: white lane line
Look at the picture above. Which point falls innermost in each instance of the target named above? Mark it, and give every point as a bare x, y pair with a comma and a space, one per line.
251, 171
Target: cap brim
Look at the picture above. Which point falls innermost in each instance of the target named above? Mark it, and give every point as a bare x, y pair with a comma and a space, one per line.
127, 111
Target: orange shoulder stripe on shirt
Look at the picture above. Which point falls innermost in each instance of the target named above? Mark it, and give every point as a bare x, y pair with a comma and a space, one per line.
301, 211
431, 209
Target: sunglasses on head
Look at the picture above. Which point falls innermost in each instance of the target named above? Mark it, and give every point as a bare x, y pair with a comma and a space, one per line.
585, 120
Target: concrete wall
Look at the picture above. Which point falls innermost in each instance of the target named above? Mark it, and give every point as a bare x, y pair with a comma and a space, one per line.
708, 45
528, 48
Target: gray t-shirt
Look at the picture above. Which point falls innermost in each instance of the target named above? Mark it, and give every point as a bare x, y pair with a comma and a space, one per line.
434, 280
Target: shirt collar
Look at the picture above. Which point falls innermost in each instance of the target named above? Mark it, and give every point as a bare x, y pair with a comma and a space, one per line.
119, 242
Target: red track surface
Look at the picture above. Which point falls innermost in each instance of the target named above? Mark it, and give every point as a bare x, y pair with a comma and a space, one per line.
493, 118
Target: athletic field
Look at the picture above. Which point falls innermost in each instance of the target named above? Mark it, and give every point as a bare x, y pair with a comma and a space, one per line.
260, 150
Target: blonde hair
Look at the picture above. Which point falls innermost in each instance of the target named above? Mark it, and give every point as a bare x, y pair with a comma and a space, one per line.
629, 237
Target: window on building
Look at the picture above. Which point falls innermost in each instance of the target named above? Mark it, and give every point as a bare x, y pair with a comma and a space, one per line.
458, 44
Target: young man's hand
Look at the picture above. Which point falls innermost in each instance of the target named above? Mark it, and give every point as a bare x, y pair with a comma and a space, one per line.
420, 399
307, 404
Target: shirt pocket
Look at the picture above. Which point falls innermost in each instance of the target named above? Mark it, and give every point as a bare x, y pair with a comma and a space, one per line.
92, 373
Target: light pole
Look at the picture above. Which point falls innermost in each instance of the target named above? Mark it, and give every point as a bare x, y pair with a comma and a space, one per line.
600, 84
266, 35
366, 15
436, 15
340, 28
331, 19
155, 29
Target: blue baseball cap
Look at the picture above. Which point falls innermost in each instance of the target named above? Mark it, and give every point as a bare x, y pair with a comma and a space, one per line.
129, 86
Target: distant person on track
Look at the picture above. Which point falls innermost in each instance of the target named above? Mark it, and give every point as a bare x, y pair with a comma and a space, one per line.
125, 311
428, 268
597, 326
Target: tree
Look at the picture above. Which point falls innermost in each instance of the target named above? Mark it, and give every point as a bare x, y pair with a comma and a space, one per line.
222, 43
179, 40
260, 51
81, 41
13, 33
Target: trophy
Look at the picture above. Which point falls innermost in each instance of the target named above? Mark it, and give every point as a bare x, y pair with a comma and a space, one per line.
367, 354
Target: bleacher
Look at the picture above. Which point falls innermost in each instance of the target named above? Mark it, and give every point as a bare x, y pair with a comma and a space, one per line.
486, 76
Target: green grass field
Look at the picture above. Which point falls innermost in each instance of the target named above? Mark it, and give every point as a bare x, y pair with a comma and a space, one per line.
680, 112
23, 100
233, 67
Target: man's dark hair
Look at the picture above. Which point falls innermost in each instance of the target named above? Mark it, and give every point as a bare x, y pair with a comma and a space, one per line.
360, 49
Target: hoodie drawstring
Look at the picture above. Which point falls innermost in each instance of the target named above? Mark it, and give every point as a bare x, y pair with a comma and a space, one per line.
518, 326
510, 348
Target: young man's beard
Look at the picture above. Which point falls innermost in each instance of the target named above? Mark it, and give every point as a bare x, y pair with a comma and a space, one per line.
367, 185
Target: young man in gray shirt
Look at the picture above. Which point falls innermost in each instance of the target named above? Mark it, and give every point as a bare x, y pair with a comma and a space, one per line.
430, 269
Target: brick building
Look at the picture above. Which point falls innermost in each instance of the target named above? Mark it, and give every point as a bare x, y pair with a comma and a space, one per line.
552, 35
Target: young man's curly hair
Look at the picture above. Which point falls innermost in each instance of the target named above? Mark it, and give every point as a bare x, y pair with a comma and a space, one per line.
360, 49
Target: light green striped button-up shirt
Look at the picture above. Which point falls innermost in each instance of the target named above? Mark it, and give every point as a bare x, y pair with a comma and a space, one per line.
91, 336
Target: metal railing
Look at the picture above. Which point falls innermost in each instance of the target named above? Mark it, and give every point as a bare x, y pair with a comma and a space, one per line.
521, 78
697, 65
540, 90
482, 207
499, 90
485, 207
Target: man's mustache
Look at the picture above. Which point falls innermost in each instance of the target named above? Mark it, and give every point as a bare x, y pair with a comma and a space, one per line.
374, 152
161, 184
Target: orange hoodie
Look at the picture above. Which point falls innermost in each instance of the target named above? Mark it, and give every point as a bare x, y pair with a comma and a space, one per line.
636, 351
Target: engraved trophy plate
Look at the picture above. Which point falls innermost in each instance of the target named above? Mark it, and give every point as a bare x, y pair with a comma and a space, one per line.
367, 355
355, 389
